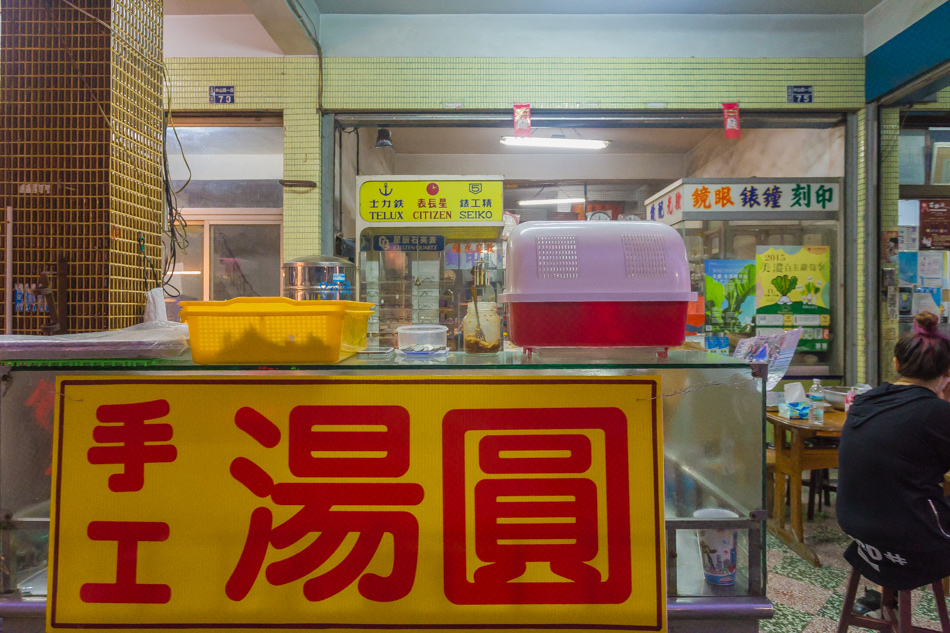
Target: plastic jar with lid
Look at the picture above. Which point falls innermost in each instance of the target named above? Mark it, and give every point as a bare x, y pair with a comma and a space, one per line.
490, 323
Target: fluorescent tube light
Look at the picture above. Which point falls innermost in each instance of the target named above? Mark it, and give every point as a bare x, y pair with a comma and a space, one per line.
537, 202
553, 143
186, 272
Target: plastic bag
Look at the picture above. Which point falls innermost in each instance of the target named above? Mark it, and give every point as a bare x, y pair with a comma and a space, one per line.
153, 339
775, 349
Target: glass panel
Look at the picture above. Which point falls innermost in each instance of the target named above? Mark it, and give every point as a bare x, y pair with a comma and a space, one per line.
245, 261
689, 567
26, 444
30, 555
940, 164
188, 277
913, 159
228, 167
919, 276
605, 201
719, 251
419, 286
713, 441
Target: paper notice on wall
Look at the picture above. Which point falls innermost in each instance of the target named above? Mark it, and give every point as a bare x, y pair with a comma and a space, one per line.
522, 119
730, 117
793, 289
907, 239
730, 295
928, 300
905, 301
892, 303
890, 245
907, 267
930, 268
935, 225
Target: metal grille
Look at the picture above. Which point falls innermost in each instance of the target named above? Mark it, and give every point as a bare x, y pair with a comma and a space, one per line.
644, 255
78, 188
135, 174
557, 256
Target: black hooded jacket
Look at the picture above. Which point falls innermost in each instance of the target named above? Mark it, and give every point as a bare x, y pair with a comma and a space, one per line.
895, 449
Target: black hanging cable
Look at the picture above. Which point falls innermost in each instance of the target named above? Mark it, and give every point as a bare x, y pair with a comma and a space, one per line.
176, 229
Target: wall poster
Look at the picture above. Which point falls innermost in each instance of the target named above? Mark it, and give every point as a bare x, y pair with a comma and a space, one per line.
730, 295
793, 290
934, 225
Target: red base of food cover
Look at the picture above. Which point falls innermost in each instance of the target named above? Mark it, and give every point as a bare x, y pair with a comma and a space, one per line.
597, 323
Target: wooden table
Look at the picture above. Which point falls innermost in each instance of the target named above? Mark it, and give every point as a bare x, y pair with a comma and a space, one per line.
791, 458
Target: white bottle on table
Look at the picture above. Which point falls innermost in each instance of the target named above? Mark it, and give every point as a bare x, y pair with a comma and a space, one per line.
816, 400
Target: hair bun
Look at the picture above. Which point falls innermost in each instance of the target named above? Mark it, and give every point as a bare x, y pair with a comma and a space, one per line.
926, 323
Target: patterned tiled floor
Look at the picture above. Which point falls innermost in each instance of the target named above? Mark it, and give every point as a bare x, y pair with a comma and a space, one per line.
808, 600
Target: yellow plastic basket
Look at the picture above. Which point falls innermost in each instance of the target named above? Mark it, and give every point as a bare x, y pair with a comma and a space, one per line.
274, 330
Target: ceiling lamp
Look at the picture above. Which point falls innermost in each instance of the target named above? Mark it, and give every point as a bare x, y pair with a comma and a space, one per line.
538, 202
553, 142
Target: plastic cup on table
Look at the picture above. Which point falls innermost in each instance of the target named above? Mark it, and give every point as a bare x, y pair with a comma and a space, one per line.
718, 549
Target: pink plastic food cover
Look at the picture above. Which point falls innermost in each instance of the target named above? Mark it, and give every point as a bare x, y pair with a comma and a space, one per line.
596, 261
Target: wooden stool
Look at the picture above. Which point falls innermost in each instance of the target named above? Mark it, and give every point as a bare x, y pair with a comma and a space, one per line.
898, 621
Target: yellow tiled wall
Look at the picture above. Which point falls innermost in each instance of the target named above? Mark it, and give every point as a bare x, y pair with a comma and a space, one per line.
393, 84
889, 194
942, 102
861, 247
570, 83
287, 84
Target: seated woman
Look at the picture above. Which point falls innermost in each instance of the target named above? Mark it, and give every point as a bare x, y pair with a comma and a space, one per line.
895, 449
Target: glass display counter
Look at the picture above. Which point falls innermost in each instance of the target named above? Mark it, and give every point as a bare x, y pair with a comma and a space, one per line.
713, 425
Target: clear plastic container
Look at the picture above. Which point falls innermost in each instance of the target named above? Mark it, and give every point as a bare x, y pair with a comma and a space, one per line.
422, 339
487, 318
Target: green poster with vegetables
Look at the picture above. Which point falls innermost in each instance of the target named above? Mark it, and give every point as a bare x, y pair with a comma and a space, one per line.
793, 290
730, 295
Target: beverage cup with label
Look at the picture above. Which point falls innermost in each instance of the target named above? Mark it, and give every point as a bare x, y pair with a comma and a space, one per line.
718, 549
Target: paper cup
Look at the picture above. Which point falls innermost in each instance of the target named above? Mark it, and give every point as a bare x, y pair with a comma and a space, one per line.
718, 548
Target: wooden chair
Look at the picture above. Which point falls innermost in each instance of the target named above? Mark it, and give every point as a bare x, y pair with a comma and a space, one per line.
820, 487
818, 484
897, 620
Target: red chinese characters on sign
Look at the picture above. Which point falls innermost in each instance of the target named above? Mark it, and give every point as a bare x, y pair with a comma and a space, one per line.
317, 430
536, 498
131, 435
128, 447
125, 589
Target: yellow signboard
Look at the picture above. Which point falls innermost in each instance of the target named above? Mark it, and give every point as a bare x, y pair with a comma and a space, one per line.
357, 503
449, 201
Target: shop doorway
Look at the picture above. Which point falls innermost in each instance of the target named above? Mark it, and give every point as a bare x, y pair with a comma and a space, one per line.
645, 155
915, 241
